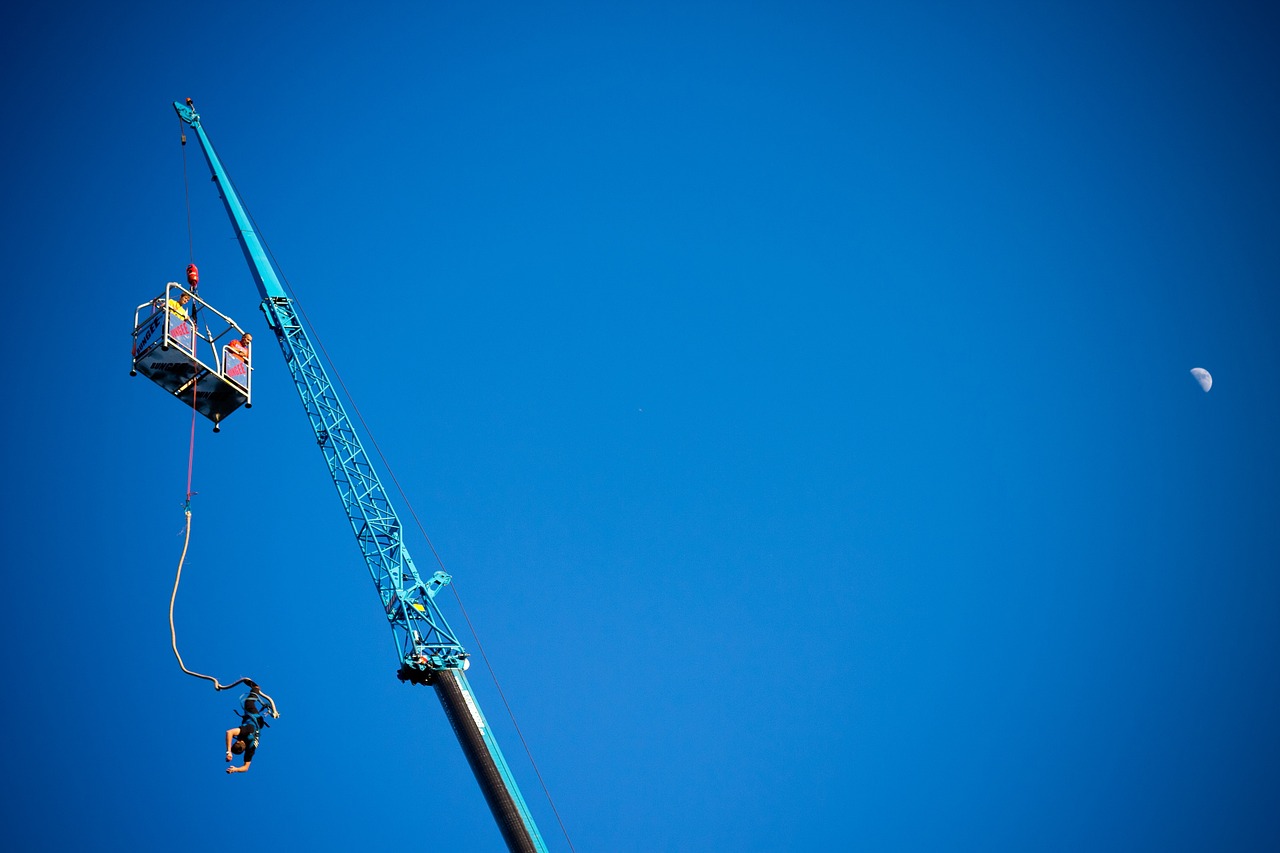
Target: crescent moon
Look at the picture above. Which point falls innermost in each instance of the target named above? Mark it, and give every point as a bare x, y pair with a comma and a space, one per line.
1202, 376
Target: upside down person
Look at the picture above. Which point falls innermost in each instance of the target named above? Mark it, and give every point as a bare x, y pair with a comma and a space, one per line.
243, 739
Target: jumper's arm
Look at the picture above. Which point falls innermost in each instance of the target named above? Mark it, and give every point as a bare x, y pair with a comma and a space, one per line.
428, 650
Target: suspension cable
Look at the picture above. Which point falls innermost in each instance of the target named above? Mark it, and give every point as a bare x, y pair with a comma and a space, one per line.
191, 246
191, 455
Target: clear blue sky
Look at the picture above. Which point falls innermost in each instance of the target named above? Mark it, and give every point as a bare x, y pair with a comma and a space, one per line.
798, 393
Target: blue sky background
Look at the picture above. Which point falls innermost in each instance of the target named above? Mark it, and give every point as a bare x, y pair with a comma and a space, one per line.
798, 393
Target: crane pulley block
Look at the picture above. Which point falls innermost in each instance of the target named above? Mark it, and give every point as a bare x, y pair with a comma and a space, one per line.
209, 371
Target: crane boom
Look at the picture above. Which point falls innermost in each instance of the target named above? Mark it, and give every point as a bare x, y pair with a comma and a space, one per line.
429, 651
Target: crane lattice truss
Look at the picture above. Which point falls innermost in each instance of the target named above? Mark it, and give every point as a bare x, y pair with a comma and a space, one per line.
429, 651
422, 635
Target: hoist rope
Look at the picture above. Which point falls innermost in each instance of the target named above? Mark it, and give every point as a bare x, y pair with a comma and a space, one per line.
440, 562
191, 455
186, 189
191, 246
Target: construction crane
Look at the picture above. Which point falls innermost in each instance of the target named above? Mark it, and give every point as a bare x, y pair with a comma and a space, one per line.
428, 651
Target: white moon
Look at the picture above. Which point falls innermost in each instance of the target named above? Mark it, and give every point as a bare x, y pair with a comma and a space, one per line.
1202, 376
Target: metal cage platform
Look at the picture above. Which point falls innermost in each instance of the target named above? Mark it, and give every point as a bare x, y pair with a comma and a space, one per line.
202, 370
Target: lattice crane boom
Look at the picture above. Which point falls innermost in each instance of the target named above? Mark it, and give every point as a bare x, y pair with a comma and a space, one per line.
428, 650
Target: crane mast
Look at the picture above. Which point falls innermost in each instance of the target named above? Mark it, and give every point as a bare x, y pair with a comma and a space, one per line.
429, 652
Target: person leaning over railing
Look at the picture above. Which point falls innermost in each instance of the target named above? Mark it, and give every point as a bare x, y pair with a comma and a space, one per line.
240, 348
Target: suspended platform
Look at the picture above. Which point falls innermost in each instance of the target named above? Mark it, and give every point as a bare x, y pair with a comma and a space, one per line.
208, 371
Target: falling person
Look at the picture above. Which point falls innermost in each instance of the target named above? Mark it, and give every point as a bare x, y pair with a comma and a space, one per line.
243, 739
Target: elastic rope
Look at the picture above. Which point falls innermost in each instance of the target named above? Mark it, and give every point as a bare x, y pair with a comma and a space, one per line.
173, 631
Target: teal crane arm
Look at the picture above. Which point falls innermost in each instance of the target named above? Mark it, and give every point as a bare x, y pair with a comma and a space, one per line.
429, 651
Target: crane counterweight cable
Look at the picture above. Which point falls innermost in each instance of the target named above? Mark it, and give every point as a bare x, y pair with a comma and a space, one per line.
421, 529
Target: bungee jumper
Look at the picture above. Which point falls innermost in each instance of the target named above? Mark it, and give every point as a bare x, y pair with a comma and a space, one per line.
254, 705
243, 739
